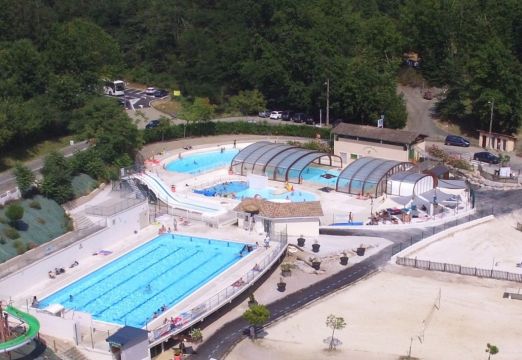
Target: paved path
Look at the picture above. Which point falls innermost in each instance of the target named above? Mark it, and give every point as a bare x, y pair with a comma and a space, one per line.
8, 180
231, 333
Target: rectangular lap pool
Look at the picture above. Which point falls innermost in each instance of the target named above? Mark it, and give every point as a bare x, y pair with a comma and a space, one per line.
162, 272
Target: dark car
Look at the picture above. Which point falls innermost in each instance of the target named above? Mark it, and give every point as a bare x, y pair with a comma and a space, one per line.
486, 157
456, 141
299, 117
160, 93
286, 115
152, 124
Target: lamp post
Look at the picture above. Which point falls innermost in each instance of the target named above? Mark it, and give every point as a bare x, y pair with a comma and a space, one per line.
327, 83
492, 103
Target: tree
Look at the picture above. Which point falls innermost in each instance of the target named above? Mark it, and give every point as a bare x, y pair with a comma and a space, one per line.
24, 178
199, 110
56, 183
14, 212
334, 323
491, 350
248, 102
257, 315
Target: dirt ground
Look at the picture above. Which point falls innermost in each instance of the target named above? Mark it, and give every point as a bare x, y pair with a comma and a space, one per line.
387, 311
496, 244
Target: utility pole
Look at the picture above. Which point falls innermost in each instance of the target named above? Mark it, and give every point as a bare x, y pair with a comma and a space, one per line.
327, 83
492, 102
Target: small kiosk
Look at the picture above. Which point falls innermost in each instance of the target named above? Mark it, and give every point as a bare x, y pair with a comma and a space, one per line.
129, 343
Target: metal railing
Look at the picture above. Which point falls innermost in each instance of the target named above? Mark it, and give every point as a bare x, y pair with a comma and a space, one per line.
109, 210
459, 269
187, 318
38, 253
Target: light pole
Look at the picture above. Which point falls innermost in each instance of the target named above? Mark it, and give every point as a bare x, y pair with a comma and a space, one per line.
492, 102
327, 83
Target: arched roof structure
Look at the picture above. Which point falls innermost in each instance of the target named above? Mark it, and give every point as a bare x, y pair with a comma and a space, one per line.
409, 184
368, 175
280, 162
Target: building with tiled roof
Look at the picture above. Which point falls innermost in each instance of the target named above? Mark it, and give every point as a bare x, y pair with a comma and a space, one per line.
352, 142
293, 218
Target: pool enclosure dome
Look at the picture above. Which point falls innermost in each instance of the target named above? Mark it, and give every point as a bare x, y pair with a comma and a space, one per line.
409, 184
281, 162
368, 176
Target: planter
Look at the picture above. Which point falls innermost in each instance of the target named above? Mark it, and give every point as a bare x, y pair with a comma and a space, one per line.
344, 260
286, 273
281, 286
301, 242
315, 247
361, 251
316, 265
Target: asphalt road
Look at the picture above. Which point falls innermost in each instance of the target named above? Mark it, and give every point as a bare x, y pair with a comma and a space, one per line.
8, 180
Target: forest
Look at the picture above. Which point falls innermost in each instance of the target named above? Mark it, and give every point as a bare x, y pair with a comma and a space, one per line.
54, 54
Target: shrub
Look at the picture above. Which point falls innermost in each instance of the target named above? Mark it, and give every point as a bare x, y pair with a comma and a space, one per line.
35, 204
3, 220
20, 247
2, 240
31, 245
14, 213
40, 220
11, 233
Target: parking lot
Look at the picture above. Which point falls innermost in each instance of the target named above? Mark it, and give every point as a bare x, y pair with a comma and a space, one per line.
136, 99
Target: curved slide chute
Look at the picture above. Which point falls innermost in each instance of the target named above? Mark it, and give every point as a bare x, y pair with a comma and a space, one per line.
33, 327
163, 192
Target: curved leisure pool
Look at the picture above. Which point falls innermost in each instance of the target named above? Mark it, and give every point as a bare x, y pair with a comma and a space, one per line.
240, 190
202, 162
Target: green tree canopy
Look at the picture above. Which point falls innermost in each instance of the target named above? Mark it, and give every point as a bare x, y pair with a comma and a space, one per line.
248, 102
57, 178
257, 315
24, 178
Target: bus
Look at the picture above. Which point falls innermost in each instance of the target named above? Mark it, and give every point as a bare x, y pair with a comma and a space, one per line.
114, 87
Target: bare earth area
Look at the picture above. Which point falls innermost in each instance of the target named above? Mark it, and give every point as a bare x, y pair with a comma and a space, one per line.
444, 316
496, 244
387, 311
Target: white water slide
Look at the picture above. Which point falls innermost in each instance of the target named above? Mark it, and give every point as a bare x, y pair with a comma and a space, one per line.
163, 192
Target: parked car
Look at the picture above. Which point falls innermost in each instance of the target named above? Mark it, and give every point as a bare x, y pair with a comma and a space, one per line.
264, 114
299, 117
286, 115
486, 157
276, 115
456, 141
150, 90
159, 93
152, 124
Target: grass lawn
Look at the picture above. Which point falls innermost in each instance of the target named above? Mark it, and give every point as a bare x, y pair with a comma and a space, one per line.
171, 107
23, 153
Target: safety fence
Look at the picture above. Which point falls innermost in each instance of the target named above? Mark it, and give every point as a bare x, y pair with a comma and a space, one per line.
432, 230
187, 318
112, 209
459, 269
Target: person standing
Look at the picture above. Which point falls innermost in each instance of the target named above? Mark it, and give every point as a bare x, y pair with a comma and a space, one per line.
350, 218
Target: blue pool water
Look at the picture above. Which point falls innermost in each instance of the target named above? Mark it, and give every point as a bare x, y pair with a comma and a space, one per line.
241, 190
202, 162
316, 174
161, 272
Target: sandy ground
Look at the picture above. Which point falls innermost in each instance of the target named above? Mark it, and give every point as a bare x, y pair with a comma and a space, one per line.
495, 244
387, 310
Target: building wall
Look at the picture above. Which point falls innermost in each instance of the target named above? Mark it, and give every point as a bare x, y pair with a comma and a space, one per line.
365, 148
138, 351
297, 227
119, 226
498, 142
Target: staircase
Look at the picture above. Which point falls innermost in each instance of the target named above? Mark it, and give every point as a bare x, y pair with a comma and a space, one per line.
63, 349
81, 222
73, 353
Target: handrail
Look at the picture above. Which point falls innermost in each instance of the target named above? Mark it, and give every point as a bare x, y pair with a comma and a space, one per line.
190, 316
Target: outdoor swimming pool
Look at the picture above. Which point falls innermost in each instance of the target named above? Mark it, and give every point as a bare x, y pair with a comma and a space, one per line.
202, 162
241, 190
161, 272
318, 175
